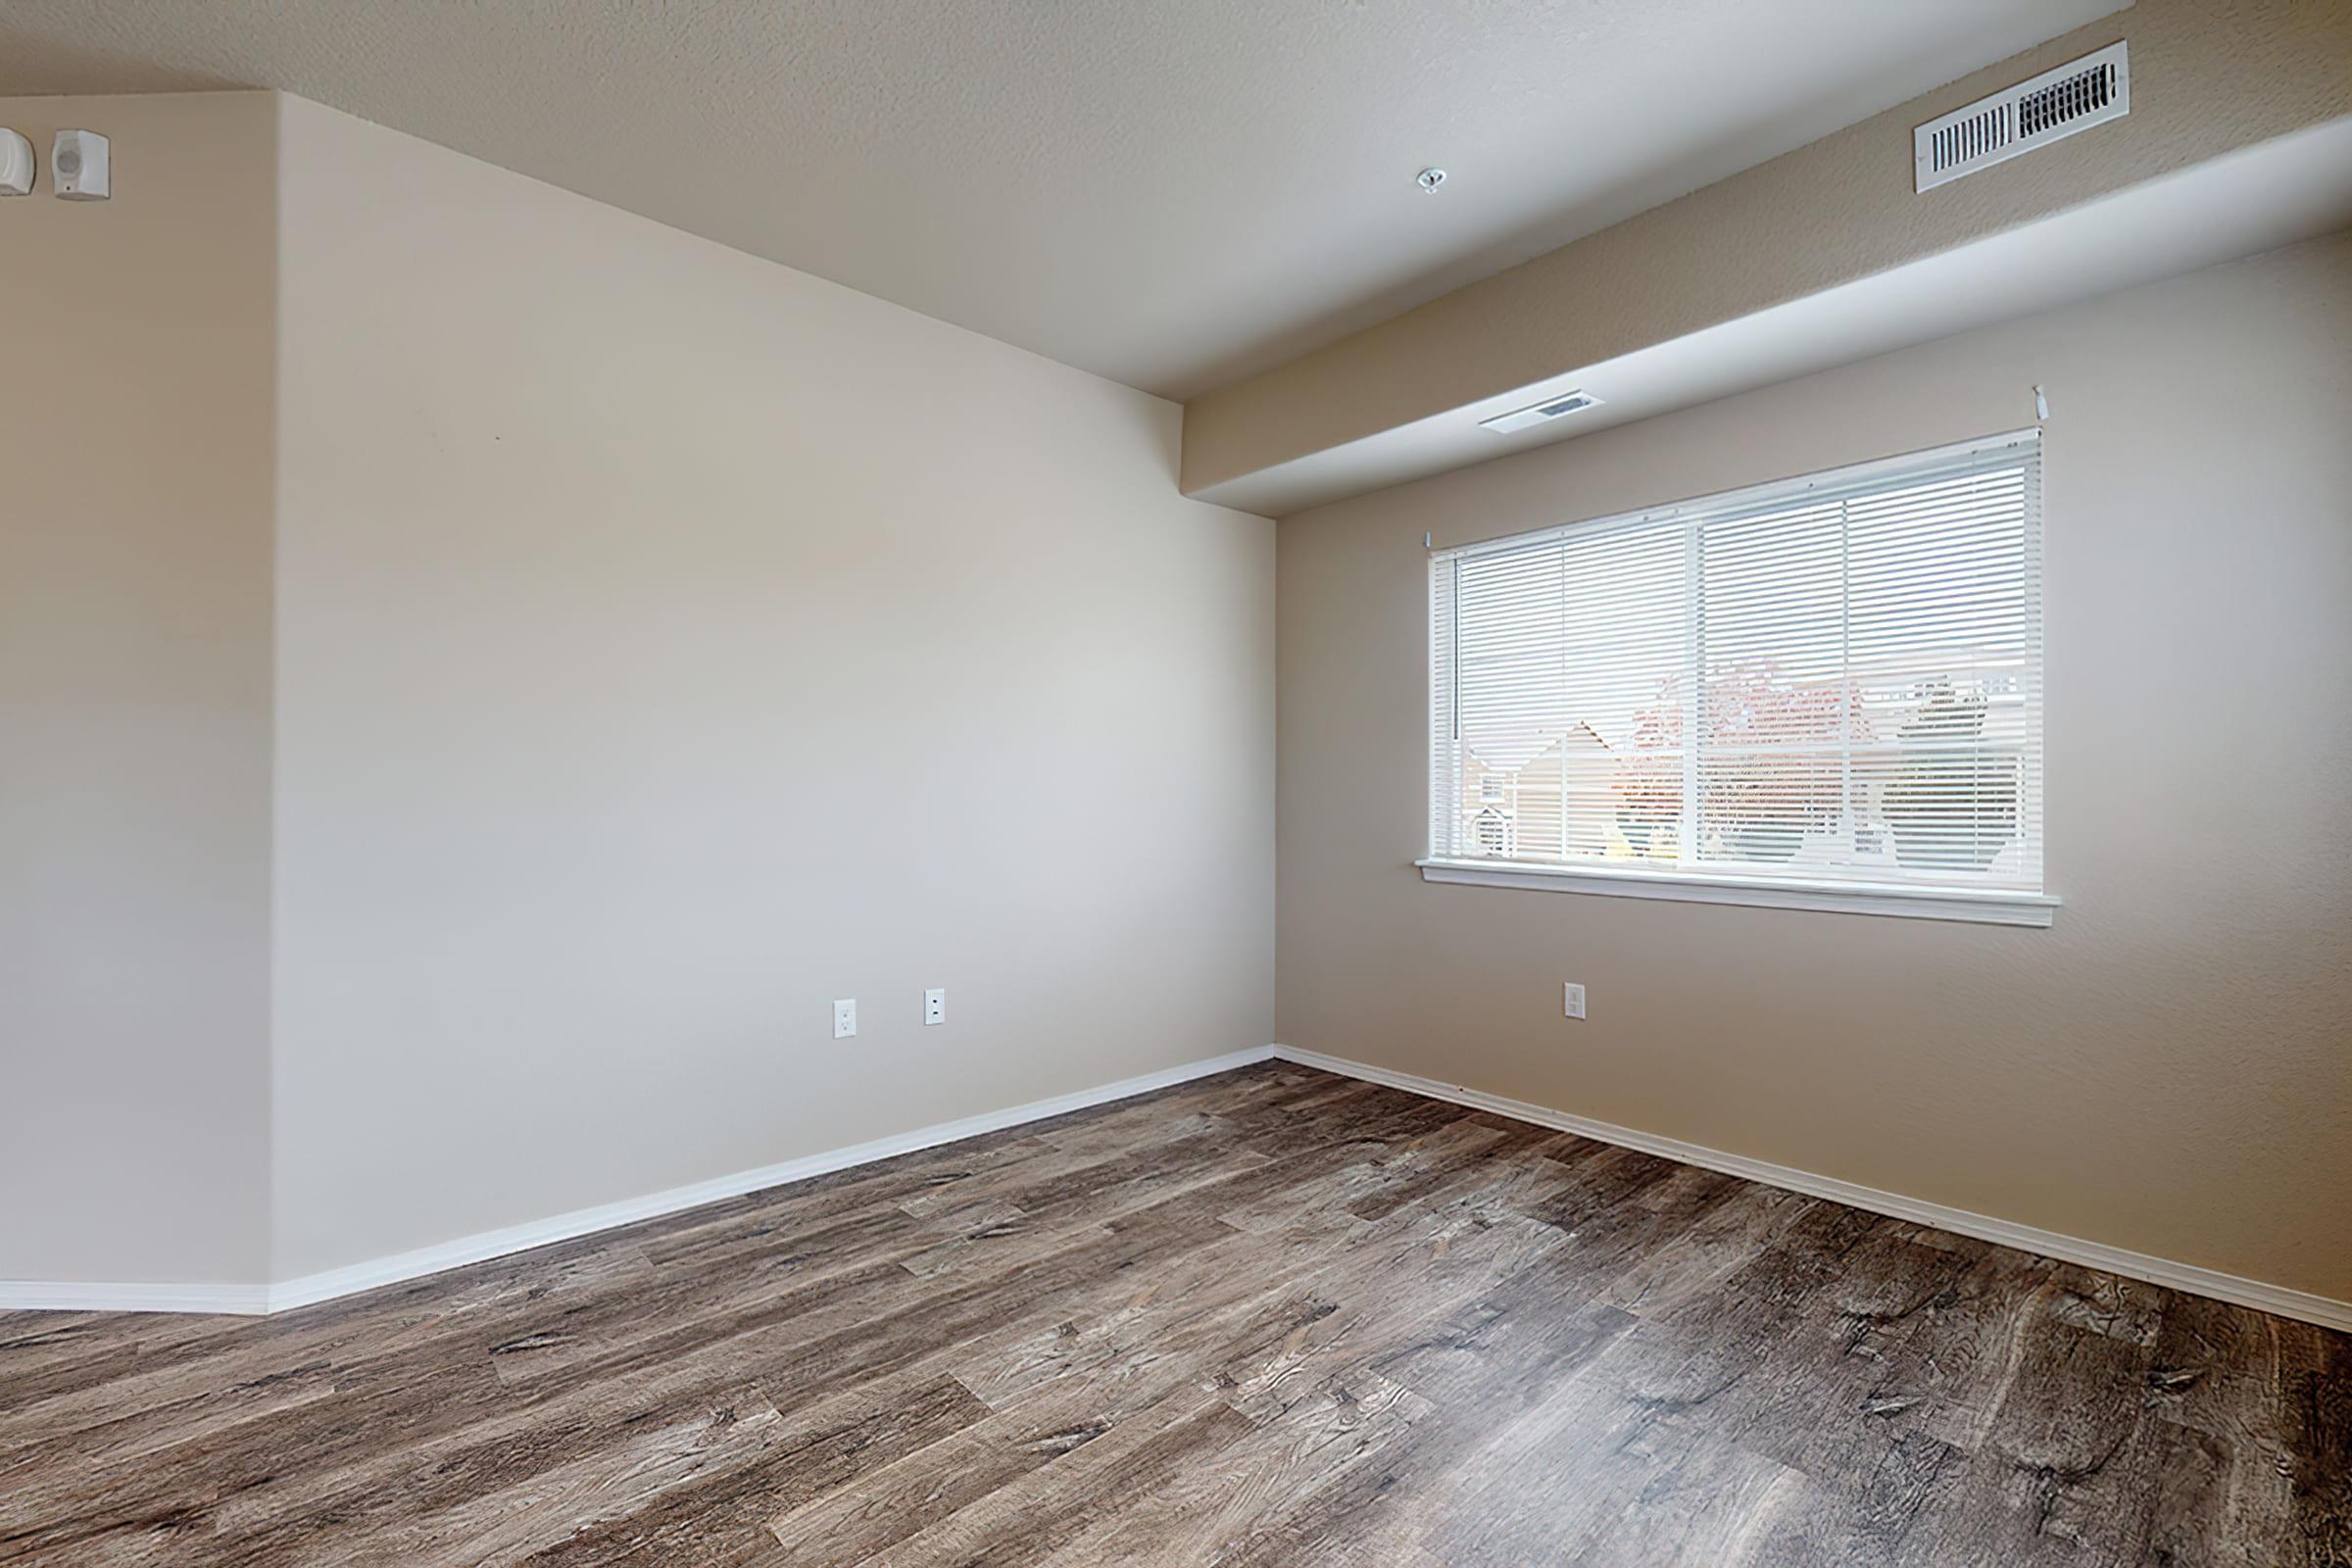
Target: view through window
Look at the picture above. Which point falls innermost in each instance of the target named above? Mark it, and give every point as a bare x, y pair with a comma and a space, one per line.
1834, 679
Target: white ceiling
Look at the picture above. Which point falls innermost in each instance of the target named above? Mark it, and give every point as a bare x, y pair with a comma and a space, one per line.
1172, 194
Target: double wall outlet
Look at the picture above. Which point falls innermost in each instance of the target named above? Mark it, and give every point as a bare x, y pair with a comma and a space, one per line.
1572, 998
935, 1006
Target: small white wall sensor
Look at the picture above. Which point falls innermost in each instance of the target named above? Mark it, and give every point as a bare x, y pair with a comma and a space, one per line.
79, 166
16, 165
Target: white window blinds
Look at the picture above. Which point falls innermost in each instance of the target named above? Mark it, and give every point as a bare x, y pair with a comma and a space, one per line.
1833, 680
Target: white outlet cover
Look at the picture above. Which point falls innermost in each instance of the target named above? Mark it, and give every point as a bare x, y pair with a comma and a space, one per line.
844, 1017
935, 1006
1572, 998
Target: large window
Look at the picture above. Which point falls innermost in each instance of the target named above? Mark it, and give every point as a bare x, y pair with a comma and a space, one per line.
1827, 692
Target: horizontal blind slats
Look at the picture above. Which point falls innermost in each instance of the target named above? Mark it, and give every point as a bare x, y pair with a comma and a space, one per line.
1856, 656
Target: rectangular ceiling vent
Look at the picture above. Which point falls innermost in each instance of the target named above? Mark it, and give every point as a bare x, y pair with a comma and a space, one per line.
2056, 104
1551, 408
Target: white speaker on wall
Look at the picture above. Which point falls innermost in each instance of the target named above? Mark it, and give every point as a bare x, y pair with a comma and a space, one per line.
15, 163
79, 166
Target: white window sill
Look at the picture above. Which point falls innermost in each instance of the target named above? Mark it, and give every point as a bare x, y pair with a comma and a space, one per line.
1916, 904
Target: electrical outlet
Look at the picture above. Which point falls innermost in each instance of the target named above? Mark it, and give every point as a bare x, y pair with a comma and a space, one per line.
935, 1006
844, 1017
1572, 998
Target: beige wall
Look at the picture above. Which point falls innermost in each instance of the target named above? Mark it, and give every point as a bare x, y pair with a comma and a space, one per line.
134, 698
2169, 1068
669, 643
662, 643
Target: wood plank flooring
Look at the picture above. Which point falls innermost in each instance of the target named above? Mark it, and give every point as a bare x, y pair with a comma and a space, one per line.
1273, 1317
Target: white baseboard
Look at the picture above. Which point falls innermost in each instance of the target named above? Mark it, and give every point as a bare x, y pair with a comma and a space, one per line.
2324, 1310
38, 1296
43, 1296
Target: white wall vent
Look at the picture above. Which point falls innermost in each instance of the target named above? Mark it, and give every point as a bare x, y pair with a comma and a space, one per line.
2056, 104
1550, 407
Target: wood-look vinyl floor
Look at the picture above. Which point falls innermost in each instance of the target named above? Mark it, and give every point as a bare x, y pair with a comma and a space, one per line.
1274, 1317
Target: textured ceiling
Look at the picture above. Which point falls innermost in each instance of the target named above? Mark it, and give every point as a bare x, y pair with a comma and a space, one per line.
1171, 194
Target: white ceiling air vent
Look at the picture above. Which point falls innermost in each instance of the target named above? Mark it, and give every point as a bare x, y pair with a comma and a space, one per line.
2056, 104
1550, 407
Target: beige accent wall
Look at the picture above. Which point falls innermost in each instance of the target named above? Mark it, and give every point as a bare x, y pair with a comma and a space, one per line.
2206, 79
2167, 1069
669, 643
135, 410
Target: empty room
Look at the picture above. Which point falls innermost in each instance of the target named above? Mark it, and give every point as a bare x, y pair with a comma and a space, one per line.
1238, 784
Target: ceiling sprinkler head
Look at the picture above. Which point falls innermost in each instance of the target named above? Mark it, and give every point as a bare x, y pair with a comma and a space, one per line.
1430, 179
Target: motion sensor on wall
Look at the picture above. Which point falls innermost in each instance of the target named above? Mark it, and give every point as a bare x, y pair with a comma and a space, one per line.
79, 166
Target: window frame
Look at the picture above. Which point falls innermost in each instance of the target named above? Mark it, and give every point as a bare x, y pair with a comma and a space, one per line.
1687, 884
